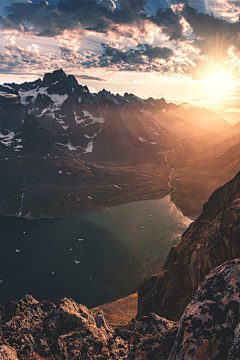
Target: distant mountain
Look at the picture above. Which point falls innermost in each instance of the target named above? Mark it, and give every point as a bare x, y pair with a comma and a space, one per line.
203, 163
57, 138
200, 117
77, 120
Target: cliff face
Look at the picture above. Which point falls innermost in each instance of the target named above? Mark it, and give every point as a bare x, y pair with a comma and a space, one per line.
211, 240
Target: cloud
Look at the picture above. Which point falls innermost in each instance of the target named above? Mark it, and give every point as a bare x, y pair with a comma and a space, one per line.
44, 19
169, 21
11, 39
143, 54
86, 77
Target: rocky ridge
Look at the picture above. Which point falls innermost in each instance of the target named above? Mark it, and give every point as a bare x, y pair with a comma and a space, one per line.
208, 328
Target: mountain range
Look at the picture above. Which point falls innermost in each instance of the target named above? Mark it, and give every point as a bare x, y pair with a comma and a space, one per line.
64, 149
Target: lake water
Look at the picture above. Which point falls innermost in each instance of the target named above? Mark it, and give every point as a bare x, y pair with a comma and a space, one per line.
115, 256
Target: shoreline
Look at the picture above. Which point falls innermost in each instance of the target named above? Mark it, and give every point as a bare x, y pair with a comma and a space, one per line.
105, 208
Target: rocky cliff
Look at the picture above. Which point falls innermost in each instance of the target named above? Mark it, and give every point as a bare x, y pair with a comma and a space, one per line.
208, 328
211, 240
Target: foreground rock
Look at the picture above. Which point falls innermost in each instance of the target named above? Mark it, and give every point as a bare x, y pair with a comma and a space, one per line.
67, 331
40, 330
7, 353
208, 329
210, 241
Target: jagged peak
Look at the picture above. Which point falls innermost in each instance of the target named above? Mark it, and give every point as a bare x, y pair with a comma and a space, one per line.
51, 78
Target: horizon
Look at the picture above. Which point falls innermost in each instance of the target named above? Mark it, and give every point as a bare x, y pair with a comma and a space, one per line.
183, 52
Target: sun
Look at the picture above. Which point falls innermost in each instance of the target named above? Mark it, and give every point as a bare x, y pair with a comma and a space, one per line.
219, 84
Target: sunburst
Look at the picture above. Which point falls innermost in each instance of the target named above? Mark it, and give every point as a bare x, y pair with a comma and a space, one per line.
219, 84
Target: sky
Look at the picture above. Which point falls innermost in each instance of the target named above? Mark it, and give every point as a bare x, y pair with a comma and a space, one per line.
182, 51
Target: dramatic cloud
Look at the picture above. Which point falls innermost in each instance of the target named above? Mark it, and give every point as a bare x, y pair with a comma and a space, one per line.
43, 19
170, 38
169, 21
136, 56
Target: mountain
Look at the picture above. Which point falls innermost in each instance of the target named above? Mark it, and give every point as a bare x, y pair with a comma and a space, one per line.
210, 241
203, 163
201, 117
73, 117
64, 149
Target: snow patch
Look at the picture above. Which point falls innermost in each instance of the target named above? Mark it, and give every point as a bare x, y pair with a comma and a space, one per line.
18, 147
7, 86
44, 110
89, 147
70, 146
57, 99
144, 140
77, 118
93, 136
99, 120
34, 93
7, 139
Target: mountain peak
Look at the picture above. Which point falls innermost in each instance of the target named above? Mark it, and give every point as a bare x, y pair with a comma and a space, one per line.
55, 76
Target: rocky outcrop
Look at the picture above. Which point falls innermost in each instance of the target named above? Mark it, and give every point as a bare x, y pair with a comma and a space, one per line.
150, 337
208, 328
211, 240
41, 330
7, 353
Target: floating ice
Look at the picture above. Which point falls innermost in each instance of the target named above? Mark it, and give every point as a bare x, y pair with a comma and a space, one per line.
118, 187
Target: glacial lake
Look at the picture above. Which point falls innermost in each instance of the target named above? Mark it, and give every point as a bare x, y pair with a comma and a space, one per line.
115, 256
